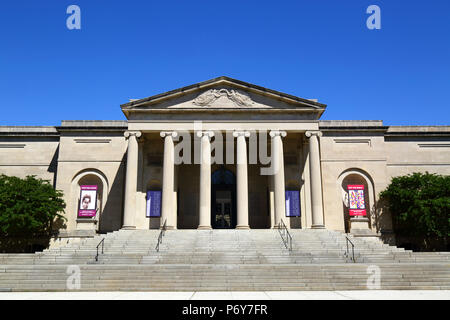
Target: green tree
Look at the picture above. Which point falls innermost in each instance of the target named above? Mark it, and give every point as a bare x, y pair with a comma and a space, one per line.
28, 207
420, 205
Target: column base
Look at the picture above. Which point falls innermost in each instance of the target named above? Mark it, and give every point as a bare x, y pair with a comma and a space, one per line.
318, 226
128, 228
243, 227
169, 228
204, 228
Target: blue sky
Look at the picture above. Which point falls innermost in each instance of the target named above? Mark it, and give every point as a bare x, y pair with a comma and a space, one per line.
312, 49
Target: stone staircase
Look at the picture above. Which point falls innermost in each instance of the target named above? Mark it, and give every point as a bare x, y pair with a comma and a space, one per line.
221, 260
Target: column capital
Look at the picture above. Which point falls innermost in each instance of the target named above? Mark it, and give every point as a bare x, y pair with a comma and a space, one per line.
238, 133
275, 133
164, 134
128, 134
208, 134
309, 134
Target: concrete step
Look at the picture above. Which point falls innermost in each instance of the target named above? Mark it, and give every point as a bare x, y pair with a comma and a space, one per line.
224, 260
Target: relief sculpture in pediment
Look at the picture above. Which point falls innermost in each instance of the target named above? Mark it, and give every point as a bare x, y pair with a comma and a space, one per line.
208, 98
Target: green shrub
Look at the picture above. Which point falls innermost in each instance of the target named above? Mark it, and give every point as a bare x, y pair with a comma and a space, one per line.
28, 207
420, 205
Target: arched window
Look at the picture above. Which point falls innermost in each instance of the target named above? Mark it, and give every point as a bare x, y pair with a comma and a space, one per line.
223, 176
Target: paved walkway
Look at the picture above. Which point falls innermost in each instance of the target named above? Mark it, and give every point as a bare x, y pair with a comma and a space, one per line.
265, 295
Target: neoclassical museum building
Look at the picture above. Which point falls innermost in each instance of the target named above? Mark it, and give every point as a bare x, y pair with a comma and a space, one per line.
223, 154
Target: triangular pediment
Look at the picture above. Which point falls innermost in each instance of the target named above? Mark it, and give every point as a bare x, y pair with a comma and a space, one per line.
224, 94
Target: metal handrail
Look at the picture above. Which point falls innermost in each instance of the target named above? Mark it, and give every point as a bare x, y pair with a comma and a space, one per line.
161, 235
103, 246
353, 249
285, 235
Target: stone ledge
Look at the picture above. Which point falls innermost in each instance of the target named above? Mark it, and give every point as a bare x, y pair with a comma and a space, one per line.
405, 131
28, 131
421, 129
350, 123
94, 123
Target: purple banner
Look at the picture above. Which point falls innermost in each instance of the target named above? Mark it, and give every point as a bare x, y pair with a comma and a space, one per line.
153, 204
292, 203
88, 202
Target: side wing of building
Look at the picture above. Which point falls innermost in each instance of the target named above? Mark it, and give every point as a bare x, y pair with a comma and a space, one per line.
73, 154
28, 151
368, 153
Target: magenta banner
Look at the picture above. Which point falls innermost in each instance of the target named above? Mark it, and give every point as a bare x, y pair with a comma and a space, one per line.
88, 202
357, 206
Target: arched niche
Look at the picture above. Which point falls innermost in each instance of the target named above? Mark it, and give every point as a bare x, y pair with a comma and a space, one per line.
356, 176
89, 177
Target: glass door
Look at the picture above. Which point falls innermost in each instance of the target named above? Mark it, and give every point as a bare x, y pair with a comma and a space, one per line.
223, 210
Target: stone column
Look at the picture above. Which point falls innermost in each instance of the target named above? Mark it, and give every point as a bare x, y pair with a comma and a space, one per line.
242, 179
131, 179
205, 179
168, 209
316, 179
278, 175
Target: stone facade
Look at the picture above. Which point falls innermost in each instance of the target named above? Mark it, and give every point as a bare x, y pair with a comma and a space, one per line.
318, 158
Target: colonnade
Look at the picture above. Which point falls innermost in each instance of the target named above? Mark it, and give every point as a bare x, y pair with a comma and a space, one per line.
168, 210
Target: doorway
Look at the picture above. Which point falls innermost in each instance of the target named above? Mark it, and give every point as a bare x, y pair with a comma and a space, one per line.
223, 211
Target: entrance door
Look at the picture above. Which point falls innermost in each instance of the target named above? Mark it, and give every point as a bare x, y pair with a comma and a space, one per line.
223, 210
223, 199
